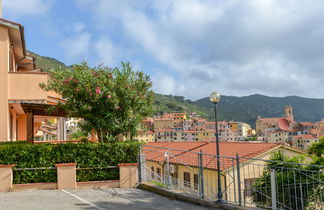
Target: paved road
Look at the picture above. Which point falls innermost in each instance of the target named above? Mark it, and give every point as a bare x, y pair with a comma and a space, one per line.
90, 199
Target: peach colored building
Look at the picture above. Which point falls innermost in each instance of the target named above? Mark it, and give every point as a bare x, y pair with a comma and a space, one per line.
23, 104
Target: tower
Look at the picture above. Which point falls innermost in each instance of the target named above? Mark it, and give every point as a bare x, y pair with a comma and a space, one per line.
289, 113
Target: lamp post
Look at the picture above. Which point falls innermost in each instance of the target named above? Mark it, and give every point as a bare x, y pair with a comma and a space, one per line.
215, 98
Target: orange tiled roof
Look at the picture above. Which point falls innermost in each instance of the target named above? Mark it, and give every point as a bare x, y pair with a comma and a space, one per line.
307, 123
228, 149
305, 136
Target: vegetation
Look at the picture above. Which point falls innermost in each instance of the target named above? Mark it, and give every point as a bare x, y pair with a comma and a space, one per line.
86, 155
169, 103
111, 101
293, 180
245, 109
47, 63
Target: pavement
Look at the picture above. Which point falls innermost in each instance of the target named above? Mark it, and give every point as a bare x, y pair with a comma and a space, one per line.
90, 199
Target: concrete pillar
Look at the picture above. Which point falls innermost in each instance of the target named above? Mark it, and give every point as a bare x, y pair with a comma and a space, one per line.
66, 175
128, 175
30, 127
61, 129
4, 68
6, 177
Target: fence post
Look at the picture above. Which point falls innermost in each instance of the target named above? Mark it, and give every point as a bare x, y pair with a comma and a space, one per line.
273, 188
239, 179
167, 169
139, 160
201, 175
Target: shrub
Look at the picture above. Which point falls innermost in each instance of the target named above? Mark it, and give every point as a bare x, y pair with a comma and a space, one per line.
86, 155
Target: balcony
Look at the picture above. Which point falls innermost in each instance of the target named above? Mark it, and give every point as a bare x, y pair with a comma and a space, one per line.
25, 85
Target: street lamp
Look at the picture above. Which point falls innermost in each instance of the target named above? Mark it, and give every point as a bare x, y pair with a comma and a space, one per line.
215, 98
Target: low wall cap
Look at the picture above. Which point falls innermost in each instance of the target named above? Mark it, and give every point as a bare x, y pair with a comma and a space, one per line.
65, 164
7, 166
128, 164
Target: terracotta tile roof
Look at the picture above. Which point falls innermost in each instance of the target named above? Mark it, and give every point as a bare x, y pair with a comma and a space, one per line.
270, 119
307, 123
305, 136
162, 119
228, 149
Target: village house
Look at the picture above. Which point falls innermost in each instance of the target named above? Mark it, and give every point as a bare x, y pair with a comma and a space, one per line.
23, 104
184, 168
184, 165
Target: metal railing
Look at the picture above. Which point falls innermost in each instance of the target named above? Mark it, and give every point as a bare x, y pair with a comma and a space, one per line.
245, 181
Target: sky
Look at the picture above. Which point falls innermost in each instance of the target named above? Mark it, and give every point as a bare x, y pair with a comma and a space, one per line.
188, 47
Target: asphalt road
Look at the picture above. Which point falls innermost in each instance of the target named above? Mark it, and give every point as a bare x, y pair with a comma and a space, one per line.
96, 199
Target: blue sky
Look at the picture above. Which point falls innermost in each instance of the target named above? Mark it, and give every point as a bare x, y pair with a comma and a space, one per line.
188, 47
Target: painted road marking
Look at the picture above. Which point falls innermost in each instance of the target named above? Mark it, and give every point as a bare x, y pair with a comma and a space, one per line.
83, 200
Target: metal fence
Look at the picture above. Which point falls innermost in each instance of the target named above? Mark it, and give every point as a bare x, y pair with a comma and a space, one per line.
245, 181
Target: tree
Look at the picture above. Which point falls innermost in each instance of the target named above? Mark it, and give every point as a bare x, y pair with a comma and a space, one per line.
317, 148
297, 186
111, 101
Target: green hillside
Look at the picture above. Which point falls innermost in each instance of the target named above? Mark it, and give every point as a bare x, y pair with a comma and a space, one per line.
244, 109
247, 108
47, 63
169, 103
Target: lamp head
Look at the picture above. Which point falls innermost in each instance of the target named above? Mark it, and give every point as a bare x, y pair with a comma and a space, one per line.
214, 97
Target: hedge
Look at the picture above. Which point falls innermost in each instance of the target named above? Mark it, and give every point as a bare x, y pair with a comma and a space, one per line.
86, 155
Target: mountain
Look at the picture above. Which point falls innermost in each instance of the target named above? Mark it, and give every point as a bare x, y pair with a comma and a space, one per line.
47, 63
245, 109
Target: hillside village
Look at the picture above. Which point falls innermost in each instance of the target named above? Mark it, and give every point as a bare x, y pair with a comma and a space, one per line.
180, 127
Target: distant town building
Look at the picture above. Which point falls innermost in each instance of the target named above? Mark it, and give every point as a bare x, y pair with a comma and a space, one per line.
287, 131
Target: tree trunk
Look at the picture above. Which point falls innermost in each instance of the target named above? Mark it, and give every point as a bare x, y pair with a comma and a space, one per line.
99, 134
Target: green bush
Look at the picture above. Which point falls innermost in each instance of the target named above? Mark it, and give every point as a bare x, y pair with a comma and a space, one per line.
86, 155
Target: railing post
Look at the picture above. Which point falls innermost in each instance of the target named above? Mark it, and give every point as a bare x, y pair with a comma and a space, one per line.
239, 179
167, 169
273, 188
139, 160
201, 175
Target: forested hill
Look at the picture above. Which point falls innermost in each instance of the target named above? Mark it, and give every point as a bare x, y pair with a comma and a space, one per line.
244, 109
247, 108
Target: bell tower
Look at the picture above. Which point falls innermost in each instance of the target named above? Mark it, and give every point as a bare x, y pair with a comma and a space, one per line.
289, 113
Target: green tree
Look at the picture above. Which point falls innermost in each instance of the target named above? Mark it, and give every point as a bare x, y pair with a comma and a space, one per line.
317, 148
294, 182
111, 101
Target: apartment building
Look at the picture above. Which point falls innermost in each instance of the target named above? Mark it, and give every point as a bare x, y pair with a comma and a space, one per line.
23, 104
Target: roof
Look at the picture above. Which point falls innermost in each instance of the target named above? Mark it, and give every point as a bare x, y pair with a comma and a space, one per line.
163, 119
283, 124
189, 157
269, 119
305, 136
307, 123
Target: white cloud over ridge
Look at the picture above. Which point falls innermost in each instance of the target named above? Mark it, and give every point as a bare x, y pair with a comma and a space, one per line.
238, 47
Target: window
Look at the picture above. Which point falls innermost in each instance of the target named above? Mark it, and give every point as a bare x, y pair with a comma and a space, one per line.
196, 181
158, 172
186, 179
152, 172
248, 186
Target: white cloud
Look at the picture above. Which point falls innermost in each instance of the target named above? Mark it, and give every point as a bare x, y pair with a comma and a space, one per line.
19, 8
106, 52
237, 47
77, 48
163, 83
